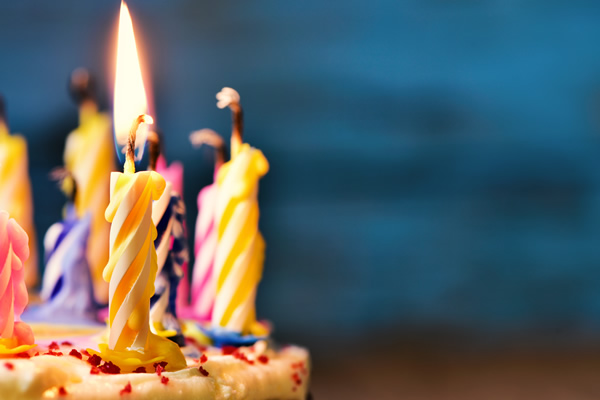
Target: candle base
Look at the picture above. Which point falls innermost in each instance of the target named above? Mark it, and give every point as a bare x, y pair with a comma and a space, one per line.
159, 350
11, 346
222, 337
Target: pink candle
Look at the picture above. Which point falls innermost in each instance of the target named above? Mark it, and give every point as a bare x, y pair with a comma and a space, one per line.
203, 287
203, 283
14, 251
172, 173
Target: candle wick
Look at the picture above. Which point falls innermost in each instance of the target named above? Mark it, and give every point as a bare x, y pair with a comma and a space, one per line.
66, 182
229, 97
130, 154
82, 90
155, 145
237, 121
3, 123
210, 138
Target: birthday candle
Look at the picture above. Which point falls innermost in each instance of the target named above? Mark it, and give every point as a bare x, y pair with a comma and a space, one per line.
14, 250
240, 246
89, 157
67, 284
203, 280
132, 264
168, 215
15, 191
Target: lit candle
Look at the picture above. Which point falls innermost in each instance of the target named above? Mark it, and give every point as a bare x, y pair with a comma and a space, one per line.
90, 157
168, 215
15, 336
205, 242
67, 284
132, 264
15, 190
240, 246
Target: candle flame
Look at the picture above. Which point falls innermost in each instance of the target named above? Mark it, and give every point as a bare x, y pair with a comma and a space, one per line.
130, 96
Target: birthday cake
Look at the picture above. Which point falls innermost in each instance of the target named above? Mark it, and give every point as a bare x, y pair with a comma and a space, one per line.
61, 367
167, 333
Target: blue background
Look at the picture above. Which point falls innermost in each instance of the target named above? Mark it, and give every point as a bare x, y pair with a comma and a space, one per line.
434, 165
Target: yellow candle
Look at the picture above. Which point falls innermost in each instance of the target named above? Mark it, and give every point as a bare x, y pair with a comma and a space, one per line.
89, 156
132, 266
240, 246
15, 192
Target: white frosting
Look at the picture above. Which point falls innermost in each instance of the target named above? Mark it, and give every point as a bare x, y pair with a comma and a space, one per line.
229, 378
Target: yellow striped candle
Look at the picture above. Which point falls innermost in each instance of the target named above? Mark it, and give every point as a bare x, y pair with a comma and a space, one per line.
132, 266
240, 246
15, 191
90, 157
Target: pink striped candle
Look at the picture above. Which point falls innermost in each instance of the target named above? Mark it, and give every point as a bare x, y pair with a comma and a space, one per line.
203, 284
15, 336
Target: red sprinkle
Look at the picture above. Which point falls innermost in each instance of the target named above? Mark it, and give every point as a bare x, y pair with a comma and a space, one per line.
76, 354
126, 389
203, 359
263, 359
109, 368
67, 343
62, 391
53, 353
140, 370
23, 355
227, 350
193, 341
9, 366
203, 371
94, 370
94, 360
164, 380
159, 369
242, 357
298, 365
296, 378
162, 364
53, 346
85, 352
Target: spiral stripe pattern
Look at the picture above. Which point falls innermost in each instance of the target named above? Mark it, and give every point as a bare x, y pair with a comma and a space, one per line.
203, 280
89, 156
132, 264
14, 250
240, 246
15, 195
168, 215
